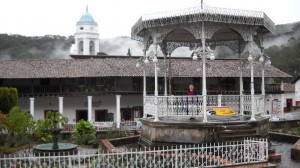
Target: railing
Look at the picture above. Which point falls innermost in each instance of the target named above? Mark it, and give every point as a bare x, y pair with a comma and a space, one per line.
206, 155
106, 126
191, 105
66, 89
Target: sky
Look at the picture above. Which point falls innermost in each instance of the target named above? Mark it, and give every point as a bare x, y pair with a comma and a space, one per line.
116, 17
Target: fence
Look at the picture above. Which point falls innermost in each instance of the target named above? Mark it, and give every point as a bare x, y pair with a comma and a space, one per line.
107, 125
191, 105
99, 126
205, 155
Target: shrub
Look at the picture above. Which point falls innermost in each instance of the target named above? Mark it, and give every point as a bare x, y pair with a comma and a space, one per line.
19, 125
84, 133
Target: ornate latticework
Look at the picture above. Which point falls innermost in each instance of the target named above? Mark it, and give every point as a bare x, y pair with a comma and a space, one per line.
208, 14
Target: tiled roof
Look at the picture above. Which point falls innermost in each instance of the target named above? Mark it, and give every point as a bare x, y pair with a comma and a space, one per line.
123, 66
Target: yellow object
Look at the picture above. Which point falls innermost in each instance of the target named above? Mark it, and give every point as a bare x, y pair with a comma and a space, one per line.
223, 110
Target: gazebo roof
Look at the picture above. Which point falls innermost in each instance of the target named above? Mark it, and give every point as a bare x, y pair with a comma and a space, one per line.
114, 66
208, 14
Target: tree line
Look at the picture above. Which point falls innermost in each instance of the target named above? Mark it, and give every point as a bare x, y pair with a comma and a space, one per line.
285, 55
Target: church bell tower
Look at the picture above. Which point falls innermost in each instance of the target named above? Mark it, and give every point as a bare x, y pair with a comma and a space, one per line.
86, 36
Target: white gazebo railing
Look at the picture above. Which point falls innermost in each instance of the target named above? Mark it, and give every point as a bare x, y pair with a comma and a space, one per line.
191, 105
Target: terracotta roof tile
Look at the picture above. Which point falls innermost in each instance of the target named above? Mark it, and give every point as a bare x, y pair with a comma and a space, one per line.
117, 66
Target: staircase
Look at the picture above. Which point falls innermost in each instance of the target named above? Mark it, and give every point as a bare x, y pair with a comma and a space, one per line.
236, 132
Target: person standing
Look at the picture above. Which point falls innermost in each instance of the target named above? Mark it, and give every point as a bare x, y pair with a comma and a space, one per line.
191, 99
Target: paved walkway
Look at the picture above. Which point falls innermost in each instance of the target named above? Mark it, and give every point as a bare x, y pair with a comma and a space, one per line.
293, 115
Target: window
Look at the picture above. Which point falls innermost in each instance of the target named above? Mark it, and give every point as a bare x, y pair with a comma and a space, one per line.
92, 48
80, 47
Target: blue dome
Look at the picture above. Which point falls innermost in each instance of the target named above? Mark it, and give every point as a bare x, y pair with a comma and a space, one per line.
86, 17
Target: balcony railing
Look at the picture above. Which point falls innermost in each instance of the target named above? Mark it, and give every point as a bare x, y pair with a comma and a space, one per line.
135, 89
191, 105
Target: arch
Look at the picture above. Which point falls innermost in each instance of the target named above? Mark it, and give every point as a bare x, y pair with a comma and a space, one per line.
80, 47
226, 37
226, 34
178, 38
92, 48
180, 35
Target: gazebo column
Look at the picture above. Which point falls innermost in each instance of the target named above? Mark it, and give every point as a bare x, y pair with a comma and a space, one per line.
165, 75
170, 74
144, 85
155, 82
241, 86
251, 59
204, 91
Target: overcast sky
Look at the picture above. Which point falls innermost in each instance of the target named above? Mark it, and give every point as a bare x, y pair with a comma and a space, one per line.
115, 17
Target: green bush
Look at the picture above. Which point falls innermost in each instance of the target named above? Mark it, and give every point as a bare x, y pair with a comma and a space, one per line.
20, 125
84, 133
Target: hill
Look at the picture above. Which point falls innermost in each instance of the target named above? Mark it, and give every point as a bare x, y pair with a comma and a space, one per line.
283, 47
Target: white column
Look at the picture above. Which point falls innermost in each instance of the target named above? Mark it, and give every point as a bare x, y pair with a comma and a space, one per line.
219, 100
282, 100
144, 85
86, 47
252, 93
165, 75
155, 84
90, 99
97, 46
32, 106
144, 90
241, 87
118, 110
204, 77
263, 92
61, 105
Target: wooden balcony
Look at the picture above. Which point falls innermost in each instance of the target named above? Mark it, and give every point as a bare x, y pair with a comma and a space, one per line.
53, 90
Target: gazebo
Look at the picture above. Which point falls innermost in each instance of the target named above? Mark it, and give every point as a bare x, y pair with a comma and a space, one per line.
183, 119
202, 29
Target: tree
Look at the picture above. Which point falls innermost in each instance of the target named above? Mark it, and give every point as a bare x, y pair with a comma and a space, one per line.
19, 124
8, 99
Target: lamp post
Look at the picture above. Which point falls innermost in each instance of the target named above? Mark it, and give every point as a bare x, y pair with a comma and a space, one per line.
154, 60
141, 64
265, 61
250, 59
203, 53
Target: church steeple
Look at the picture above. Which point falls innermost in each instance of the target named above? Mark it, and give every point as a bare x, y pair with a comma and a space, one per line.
86, 36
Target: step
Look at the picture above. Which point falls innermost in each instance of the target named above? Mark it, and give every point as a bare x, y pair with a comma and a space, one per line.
238, 137
235, 127
236, 132
256, 165
275, 157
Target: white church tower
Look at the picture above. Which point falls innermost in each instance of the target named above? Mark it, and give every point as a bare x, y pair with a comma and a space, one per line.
86, 36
